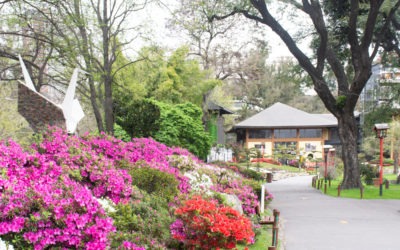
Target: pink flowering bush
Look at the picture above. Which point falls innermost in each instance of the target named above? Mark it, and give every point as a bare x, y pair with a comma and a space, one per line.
245, 194
41, 207
49, 196
99, 161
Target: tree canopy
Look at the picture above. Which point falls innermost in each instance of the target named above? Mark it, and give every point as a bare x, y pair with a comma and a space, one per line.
350, 71
177, 125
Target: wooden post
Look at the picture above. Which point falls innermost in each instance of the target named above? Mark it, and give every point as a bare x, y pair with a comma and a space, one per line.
361, 192
387, 184
275, 228
276, 217
275, 231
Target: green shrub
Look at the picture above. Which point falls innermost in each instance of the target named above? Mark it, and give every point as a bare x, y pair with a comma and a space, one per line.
249, 173
368, 172
144, 222
255, 185
120, 133
181, 125
388, 161
153, 181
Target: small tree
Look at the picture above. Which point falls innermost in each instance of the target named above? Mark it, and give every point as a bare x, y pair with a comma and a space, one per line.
394, 137
257, 154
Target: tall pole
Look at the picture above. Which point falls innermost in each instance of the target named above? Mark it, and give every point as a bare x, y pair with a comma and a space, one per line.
380, 165
326, 169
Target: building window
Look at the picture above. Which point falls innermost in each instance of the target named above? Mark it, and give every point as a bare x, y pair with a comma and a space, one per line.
310, 147
287, 147
285, 133
310, 133
260, 134
259, 146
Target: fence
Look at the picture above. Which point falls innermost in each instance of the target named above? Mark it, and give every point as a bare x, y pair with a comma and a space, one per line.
219, 154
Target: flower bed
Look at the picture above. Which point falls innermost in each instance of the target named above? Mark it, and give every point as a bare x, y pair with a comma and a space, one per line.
205, 224
266, 160
50, 196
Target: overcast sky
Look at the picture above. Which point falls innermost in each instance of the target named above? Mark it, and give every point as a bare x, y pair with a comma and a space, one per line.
155, 17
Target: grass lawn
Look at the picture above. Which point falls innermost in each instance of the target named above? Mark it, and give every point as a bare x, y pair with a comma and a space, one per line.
273, 167
370, 191
263, 240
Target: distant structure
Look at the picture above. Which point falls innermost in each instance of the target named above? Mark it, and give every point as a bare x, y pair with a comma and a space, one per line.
40, 111
282, 126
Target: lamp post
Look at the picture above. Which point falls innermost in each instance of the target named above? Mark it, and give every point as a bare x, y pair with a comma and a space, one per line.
381, 132
326, 152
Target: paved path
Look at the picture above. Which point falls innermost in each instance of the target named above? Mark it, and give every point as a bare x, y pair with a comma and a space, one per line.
313, 221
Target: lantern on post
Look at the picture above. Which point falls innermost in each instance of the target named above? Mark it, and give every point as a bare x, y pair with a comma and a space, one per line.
326, 152
381, 132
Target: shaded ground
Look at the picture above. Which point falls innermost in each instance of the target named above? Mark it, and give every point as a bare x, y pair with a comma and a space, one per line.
311, 220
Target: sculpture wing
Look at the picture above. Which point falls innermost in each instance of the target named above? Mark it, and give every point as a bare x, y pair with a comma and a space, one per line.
71, 107
27, 78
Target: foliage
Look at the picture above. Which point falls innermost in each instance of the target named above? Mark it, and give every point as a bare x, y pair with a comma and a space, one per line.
394, 137
177, 125
257, 154
154, 181
74, 34
139, 118
145, 222
121, 134
249, 173
368, 172
77, 192
206, 224
327, 63
245, 194
51, 196
172, 79
284, 153
181, 125
382, 114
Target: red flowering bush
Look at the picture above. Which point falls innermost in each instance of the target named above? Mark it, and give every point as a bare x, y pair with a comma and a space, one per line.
204, 224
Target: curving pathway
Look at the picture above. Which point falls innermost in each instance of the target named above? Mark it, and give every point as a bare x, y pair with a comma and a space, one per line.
313, 221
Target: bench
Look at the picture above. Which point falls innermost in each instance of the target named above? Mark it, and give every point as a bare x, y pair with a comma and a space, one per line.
267, 220
270, 220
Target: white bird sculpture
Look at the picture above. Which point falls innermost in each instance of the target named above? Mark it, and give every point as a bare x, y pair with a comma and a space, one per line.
71, 108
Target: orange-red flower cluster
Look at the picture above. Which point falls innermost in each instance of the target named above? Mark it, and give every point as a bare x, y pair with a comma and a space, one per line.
207, 225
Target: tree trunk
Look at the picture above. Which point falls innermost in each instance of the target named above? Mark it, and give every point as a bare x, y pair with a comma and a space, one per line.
88, 63
348, 132
108, 100
93, 101
396, 161
108, 106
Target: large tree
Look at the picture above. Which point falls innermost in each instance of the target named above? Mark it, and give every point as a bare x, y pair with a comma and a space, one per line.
83, 33
351, 75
